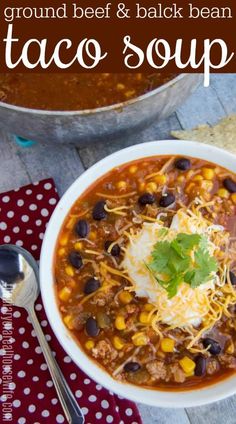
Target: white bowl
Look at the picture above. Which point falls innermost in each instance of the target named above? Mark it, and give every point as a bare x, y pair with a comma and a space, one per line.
171, 399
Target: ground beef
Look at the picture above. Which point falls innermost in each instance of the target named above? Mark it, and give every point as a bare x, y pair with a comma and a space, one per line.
102, 298
157, 369
104, 350
228, 361
131, 309
79, 320
212, 366
177, 373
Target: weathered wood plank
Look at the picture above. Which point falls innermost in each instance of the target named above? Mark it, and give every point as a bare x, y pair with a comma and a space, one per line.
216, 413
157, 131
225, 88
152, 415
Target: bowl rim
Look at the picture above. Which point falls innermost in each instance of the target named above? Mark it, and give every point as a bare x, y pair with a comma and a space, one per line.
116, 106
168, 399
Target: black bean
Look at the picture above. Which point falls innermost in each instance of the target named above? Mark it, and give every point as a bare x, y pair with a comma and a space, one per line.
76, 259
183, 164
91, 285
82, 228
167, 200
230, 185
146, 199
232, 278
132, 366
91, 327
99, 212
115, 251
215, 347
200, 368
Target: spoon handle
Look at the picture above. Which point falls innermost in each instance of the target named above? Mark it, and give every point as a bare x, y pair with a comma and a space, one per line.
71, 408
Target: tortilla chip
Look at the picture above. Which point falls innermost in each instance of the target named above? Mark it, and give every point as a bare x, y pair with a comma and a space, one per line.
221, 135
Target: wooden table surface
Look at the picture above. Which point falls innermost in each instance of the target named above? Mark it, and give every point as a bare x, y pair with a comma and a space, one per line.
65, 163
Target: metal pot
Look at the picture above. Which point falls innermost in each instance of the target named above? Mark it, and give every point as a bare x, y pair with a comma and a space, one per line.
88, 125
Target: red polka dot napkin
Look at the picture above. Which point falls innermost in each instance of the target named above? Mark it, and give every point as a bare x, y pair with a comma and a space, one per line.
26, 382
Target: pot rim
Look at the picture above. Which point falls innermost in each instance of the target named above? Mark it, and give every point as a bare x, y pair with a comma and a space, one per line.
86, 112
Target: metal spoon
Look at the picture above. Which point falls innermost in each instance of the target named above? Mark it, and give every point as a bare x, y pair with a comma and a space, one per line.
19, 285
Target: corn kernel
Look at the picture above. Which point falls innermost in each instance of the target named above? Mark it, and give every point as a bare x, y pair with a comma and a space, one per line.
144, 318
61, 251
78, 245
187, 364
208, 173
233, 197
120, 322
118, 343
89, 344
64, 294
68, 320
160, 179
167, 345
125, 297
180, 179
121, 185
148, 307
133, 169
151, 187
64, 240
197, 178
141, 186
230, 349
120, 86
207, 185
69, 271
140, 339
223, 193
93, 235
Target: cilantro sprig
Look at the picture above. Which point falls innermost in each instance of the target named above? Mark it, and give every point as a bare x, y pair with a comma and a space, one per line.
184, 259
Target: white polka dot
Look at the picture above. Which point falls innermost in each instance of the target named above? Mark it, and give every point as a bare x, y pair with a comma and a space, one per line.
12, 386
73, 376
3, 398
6, 368
36, 183
26, 390
19, 243
34, 247
5, 199
30, 361
92, 398
84, 410
4, 309
98, 415
16, 230
21, 420
43, 367
39, 196
35, 378
10, 214
3, 226
60, 419
40, 395
38, 222
54, 401
7, 239
98, 387
38, 349
29, 231
104, 404
25, 345
21, 374
20, 202
47, 186
31, 408
16, 314
41, 235
44, 212
78, 394
52, 201
49, 383
38, 307
45, 413
28, 191
109, 419
33, 334
16, 357
25, 218
33, 207
128, 412
48, 337
87, 381
67, 359
44, 323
